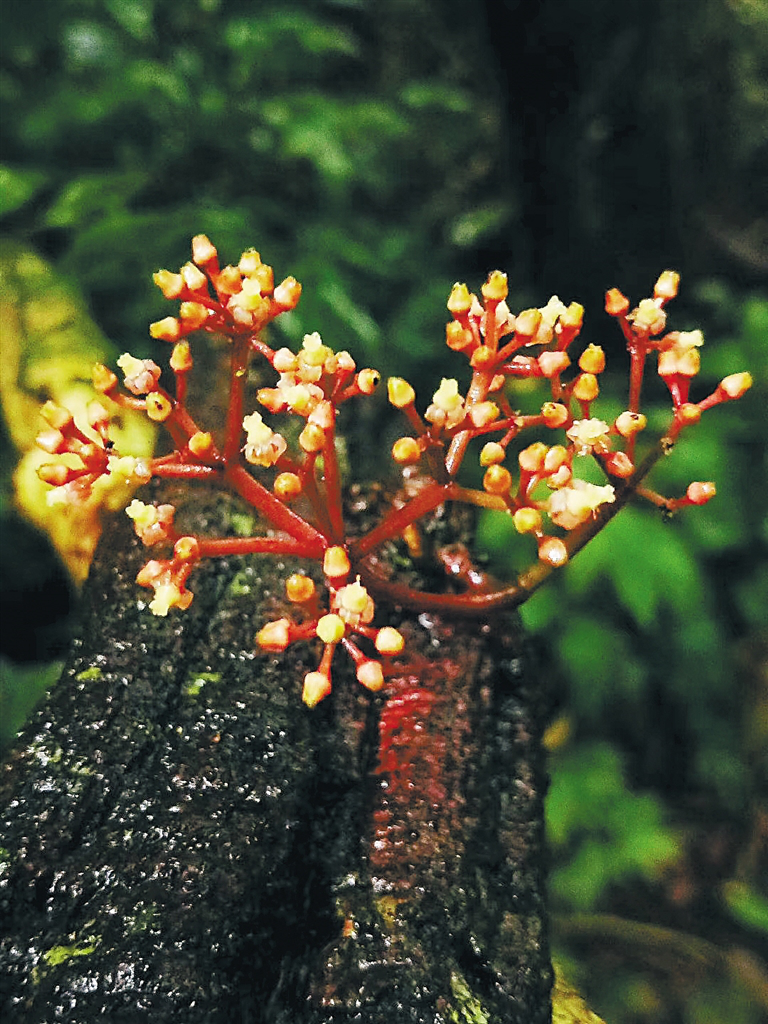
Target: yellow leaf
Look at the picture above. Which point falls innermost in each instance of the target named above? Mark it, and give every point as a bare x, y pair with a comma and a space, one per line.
49, 346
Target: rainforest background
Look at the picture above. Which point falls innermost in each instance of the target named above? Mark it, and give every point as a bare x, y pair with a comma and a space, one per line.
379, 151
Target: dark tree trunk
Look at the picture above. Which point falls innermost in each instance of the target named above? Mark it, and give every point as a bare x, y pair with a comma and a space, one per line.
184, 841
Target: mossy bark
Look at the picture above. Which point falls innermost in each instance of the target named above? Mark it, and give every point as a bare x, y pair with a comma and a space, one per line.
182, 840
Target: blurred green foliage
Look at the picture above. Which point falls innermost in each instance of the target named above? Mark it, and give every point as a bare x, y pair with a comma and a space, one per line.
379, 151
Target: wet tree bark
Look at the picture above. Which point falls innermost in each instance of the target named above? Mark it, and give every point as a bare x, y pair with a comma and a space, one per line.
182, 840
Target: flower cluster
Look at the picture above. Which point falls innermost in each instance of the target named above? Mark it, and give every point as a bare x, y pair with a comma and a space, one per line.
85, 459
539, 484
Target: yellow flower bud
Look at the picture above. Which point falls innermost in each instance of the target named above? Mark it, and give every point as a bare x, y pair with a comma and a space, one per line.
586, 388
736, 384
274, 636
312, 438
482, 358
447, 396
497, 480
553, 552
572, 316
171, 285
368, 381
496, 288
104, 380
54, 473
648, 317
287, 294
552, 363
264, 277
353, 598
457, 337
460, 300
330, 629
527, 520
51, 441
688, 414
98, 417
299, 588
555, 414
271, 398
287, 486
406, 451
699, 493
389, 641
336, 562
619, 464
167, 329
228, 281
667, 285
556, 456
400, 392
492, 454
193, 278
186, 549
181, 357
201, 443
630, 423
193, 315
592, 359
203, 251
159, 407
323, 415
616, 303
532, 458
317, 685
143, 515
527, 323
249, 263
483, 413
371, 675
344, 363
285, 361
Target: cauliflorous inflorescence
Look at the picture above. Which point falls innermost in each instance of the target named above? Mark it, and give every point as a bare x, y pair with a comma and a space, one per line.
296, 485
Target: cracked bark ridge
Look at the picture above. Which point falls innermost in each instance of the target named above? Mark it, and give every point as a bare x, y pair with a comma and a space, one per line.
182, 840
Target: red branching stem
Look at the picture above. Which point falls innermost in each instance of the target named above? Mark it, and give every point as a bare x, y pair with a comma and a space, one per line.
481, 499
491, 327
312, 494
181, 388
126, 401
183, 470
221, 546
263, 349
278, 514
478, 390
392, 525
238, 374
333, 484
508, 350
638, 352
473, 603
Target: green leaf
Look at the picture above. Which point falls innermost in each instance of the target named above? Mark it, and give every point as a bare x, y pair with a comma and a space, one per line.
748, 906
135, 16
601, 833
600, 663
21, 687
471, 227
647, 562
18, 186
93, 196
420, 95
